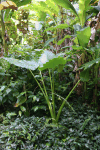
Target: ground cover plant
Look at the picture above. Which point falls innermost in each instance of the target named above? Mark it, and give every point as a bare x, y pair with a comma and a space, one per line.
50, 74
80, 130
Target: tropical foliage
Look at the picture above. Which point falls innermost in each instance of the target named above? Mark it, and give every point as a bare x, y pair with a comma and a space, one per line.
49, 74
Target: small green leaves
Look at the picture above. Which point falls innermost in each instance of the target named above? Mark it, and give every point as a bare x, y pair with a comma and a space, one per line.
9, 115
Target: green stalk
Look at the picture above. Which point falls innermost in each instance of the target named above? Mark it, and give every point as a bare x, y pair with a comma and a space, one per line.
47, 99
45, 95
52, 90
85, 89
96, 78
3, 33
61, 107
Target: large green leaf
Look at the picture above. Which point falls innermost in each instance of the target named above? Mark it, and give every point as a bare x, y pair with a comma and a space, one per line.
83, 36
66, 4
23, 63
53, 63
84, 75
45, 57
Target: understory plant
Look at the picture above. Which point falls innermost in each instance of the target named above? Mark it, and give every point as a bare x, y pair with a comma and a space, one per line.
51, 104
50, 61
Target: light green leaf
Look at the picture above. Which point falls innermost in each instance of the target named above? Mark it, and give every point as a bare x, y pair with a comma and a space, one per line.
77, 47
62, 40
22, 108
83, 36
61, 26
83, 5
20, 113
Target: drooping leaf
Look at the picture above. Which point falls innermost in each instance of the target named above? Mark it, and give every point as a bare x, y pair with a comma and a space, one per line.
48, 41
89, 16
66, 4
91, 63
61, 26
62, 40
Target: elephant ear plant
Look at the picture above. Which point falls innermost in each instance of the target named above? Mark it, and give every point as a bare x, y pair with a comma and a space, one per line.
49, 61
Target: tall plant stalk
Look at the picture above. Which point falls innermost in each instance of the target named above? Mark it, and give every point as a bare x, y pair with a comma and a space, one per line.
96, 81
3, 33
45, 95
52, 89
51, 106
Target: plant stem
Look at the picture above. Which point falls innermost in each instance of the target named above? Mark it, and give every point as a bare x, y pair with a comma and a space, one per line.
45, 95
47, 99
96, 78
61, 107
52, 90
3, 33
